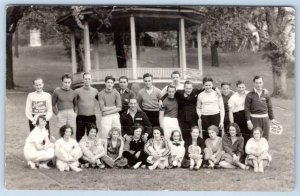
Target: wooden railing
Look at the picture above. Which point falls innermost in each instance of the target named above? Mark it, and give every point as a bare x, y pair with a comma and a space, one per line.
157, 72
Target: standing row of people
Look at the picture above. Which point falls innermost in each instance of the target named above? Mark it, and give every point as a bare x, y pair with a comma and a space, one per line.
179, 109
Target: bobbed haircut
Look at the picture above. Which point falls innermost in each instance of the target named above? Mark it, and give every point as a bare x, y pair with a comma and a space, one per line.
43, 117
92, 126
114, 129
259, 129
63, 129
176, 131
213, 128
159, 129
237, 128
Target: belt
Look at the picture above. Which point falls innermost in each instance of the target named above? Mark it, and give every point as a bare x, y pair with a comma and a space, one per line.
259, 115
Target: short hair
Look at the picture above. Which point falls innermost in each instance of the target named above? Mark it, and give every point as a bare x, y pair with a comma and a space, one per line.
66, 76
195, 127
113, 129
171, 86
86, 73
37, 78
147, 75
43, 117
240, 82
109, 78
138, 126
213, 128
123, 77
159, 129
225, 83
237, 128
259, 129
187, 82
173, 132
92, 126
175, 72
63, 129
256, 77
207, 79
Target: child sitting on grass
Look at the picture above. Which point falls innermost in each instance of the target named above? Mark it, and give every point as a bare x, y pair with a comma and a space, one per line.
177, 149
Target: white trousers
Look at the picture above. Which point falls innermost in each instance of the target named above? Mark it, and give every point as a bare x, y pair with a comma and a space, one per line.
109, 121
170, 124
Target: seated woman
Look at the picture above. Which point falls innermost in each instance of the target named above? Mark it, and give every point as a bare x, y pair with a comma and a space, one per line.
233, 143
67, 150
257, 149
134, 153
158, 150
114, 146
93, 149
213, 151
177, 149
194, 147
38, 150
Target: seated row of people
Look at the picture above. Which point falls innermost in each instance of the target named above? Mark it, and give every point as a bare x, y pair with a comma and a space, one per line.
135, 151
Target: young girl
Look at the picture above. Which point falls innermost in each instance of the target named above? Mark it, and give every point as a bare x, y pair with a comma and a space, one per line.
213, 151
257, 149
177, 149
115, 145
93, 149
134, 152
67, 150
38, 150
158, 150
194, 147
233, 144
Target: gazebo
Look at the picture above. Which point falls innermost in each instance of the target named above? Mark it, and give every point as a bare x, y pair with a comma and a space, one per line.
134, 20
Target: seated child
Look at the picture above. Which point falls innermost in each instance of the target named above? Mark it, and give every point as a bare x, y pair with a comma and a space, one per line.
177, 149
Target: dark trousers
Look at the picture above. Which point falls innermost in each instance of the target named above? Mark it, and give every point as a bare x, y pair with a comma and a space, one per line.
240, 120
208, 120
132, 160
153, 117
185, 127
263, 123
83, 124
31, 126
226, 122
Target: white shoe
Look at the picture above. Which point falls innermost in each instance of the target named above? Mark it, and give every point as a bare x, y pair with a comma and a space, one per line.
31, 164
44, 166
151, 167
137, 165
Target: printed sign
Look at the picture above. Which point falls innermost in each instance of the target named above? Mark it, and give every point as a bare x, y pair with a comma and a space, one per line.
39, 107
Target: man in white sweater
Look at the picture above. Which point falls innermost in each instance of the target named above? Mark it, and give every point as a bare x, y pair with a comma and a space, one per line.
38, 103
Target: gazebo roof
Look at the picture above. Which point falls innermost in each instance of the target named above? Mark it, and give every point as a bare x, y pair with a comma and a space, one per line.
147, 19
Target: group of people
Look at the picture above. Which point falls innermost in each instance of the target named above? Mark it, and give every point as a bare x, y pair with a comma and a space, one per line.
178, 126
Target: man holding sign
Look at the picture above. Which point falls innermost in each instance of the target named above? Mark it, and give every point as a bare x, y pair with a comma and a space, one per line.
38, 103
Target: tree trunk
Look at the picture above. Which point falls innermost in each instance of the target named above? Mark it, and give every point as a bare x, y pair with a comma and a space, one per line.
279, 84
120, 52
9, 62
214, 55
16, 43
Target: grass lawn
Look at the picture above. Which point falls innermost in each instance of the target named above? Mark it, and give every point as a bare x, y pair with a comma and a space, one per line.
50, 63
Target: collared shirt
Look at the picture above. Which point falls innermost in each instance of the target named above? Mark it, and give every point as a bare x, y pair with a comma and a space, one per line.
255, 104
126, 95
237, 101
127, 122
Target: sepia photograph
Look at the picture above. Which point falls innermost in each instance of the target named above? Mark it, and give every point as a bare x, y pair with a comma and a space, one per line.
150, 98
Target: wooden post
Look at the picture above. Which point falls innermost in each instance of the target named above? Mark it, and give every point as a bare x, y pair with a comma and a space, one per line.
200, 65
87, 52
133, 48
96, 53
73, 53
182, 47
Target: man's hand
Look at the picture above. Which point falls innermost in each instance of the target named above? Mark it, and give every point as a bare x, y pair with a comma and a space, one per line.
145, 137
221, 125
249, 125
160, 104
137, 155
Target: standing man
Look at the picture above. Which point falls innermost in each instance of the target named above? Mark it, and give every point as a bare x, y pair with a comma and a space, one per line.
110, 105
86, 98
148, 98
258, 108
132, 116
125, 93
38, 103
168, 114
226, 94
64, 103
175, 82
